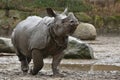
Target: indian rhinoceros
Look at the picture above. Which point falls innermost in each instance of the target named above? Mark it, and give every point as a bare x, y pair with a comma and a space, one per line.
36, 38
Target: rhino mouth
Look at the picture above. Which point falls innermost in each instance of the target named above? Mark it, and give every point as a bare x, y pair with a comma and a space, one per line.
72, 29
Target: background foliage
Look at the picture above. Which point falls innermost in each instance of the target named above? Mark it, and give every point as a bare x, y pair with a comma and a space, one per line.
104, 15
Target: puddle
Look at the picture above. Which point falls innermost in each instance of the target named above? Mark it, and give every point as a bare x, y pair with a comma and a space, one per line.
106, 68
85, 67
100, 51
7, 54
92, 43
66, 64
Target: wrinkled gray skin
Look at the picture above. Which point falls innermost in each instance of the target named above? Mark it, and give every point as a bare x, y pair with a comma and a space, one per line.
36, 38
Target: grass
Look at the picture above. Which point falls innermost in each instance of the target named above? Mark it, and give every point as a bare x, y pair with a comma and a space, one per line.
73, 5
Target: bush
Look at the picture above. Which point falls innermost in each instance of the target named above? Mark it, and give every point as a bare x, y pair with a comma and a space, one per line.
73, 5
83, 17
98, 21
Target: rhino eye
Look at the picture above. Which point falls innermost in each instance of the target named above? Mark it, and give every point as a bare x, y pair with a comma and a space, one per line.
65, 20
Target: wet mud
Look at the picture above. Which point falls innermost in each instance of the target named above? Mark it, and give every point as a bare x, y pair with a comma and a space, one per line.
105, 66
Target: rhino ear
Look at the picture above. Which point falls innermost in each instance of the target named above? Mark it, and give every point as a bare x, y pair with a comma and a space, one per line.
65, 11
50, 12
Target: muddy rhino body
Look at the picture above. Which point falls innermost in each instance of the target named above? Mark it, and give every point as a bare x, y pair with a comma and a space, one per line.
36, 38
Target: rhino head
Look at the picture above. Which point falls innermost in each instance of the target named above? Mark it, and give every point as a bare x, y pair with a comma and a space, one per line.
64, 23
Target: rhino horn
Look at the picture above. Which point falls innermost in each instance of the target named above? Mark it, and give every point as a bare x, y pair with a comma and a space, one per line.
51, 12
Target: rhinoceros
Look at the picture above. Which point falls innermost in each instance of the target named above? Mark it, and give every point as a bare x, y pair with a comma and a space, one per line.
36, 38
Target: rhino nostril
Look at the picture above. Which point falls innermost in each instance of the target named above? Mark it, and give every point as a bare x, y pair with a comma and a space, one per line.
71, 21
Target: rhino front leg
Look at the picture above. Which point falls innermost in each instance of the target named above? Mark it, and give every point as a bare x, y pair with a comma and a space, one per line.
37, 61
55, 63
29, 59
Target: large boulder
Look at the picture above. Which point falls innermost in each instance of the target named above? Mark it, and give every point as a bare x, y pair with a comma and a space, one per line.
85, 31
78, 50
6, 45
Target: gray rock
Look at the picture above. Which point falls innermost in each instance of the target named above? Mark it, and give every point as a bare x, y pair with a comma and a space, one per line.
78, 49
6, 45
85, 31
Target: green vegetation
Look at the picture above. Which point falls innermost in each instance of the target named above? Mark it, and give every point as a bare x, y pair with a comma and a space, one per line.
83, 17
74, 5
98, 21
102, 17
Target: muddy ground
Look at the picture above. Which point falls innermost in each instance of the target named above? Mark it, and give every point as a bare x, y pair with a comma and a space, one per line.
105, 66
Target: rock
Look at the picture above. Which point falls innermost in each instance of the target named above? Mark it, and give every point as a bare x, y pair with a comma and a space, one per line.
6, 45
85, 31
78, 49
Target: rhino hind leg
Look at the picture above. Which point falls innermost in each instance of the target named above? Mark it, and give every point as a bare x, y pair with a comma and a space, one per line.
37, 61
24, 66
23, 60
